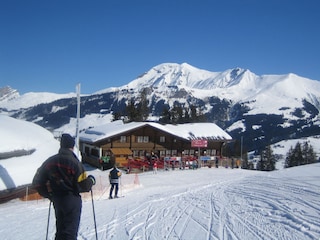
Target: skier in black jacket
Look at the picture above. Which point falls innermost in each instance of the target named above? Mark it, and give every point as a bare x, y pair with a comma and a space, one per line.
61, 178
114, 181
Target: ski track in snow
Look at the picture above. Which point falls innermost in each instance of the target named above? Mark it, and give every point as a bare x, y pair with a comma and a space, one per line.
222, 210
236, 206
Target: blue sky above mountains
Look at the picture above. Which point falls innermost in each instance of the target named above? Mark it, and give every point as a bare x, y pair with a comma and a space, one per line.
52, 46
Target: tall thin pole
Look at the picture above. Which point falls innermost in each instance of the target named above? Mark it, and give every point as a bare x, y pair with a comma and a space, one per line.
78, 115
94, 216
241, 148
199, 156
48, 221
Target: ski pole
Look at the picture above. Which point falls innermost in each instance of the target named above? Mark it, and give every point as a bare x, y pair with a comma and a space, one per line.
94, 216
120, 186
48, 220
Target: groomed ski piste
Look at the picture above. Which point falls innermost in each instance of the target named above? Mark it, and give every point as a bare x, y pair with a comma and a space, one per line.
206, 203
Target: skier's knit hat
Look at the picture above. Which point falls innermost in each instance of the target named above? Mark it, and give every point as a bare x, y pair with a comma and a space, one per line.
67, 141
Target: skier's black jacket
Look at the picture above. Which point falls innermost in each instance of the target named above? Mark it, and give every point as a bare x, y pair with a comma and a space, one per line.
61, 174
114, 175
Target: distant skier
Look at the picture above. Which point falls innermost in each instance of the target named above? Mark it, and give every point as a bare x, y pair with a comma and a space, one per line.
114, 176
154, 159
155, 167
153, 156
217, 162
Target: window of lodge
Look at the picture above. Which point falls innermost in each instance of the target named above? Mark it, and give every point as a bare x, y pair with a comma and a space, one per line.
162, 139
162, 152
94, 152
123, 139
142, 139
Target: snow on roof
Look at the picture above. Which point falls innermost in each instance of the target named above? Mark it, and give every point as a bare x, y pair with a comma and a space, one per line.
189, 131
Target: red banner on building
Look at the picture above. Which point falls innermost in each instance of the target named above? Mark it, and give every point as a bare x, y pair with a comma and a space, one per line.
199, 143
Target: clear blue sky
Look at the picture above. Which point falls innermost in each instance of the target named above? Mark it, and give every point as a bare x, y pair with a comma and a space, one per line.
53, 45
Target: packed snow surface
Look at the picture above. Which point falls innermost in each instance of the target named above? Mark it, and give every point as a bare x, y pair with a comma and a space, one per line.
207, 203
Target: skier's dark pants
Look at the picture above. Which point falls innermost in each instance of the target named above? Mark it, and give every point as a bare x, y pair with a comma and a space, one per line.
114, 185
68, 211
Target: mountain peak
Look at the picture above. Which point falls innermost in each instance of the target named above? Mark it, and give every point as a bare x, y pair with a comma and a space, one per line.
187, 76
7, 93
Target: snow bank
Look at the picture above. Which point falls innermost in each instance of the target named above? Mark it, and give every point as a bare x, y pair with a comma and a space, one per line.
22, 135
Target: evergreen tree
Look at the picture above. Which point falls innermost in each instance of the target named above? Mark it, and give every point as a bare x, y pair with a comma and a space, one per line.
308, 155
138, 112
300, 156
142, 107
271, 159
297, 155
288, 162
165, 116
132, 112
312, 156
194, 115
174, 115
201, 117
178, 114
186, 116
267, 160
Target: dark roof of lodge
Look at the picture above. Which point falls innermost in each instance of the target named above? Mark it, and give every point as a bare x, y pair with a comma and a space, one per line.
188, 131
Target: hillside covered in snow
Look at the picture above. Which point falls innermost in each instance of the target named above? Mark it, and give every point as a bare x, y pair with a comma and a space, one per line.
260, 110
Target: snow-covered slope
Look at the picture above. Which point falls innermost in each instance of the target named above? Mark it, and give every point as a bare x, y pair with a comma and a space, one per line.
186, 204
287, 91
10, 99
17, 136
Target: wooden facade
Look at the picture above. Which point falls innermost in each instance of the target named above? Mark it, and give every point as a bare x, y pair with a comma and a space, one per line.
141, 141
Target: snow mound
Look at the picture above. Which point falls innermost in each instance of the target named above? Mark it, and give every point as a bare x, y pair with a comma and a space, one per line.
18, 135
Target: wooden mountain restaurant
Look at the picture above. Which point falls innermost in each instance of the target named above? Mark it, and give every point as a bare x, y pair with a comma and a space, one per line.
119, 143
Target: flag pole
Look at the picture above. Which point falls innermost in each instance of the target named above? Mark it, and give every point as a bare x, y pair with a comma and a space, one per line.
78, 117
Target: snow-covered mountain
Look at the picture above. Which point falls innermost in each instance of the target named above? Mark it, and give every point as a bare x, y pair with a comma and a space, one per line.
265, 94
10, 99
261, 109
7, 94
